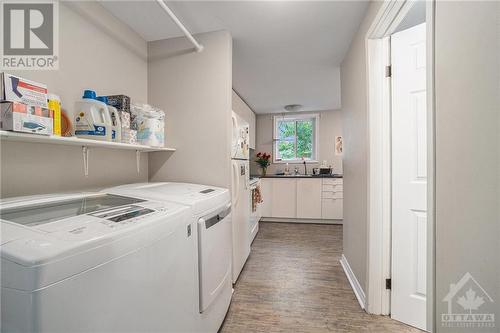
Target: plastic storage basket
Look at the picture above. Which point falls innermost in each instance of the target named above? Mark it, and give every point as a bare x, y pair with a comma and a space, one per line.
149, 123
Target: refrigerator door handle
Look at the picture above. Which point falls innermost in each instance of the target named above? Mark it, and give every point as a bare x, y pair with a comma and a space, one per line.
235, 135
247, 178
236, 184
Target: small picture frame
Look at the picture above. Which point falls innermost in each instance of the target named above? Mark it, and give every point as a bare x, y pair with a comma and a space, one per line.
338, 146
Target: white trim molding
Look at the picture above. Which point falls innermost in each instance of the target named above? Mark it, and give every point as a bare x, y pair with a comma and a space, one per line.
379, 186
377, 42
355, 285
305, 221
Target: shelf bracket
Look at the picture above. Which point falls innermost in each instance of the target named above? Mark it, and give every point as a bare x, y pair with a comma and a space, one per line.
138, 160
85, 152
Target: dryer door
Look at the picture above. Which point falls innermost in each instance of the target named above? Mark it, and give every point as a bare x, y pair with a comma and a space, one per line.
215, 241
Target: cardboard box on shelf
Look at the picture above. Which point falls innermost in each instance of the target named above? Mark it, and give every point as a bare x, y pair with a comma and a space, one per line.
120, 102
20, 117
16, 89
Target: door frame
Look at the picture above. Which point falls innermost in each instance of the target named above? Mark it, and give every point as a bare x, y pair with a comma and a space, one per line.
377, 42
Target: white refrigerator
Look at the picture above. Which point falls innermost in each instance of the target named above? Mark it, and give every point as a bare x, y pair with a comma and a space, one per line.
240, 193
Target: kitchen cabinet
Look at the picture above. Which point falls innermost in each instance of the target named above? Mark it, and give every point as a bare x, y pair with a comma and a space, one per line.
332, 199
266, 190
302, 198
331, 209
309, 202
244, 111
284, 198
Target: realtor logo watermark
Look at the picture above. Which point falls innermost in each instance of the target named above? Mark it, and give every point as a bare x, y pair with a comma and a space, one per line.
30, 35
468, 305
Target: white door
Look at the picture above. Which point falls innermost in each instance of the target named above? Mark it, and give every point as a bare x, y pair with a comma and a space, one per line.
409, 176
240, 192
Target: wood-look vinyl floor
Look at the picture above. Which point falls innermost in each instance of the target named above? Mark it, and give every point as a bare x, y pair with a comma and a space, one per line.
293, 282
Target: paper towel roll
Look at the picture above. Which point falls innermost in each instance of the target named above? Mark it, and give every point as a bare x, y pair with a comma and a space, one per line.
125, 119
129, 136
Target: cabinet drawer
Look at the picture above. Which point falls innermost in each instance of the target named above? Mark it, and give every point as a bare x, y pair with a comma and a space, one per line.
333, 187
332, 181
332, 209
332, 195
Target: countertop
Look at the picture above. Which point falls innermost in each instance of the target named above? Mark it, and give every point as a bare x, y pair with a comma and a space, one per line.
299, 176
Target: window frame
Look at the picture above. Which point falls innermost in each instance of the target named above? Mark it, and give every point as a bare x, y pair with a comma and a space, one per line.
297, 117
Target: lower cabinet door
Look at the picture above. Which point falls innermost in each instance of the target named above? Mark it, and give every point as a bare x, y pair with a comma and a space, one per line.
266, 190
332, 209
309, 198
284, 202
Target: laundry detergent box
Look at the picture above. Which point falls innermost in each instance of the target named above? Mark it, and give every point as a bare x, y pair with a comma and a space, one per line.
120, 102
20, 117
16, 89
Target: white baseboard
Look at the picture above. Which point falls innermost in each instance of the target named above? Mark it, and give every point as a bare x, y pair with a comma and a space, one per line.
291, 220
356, 287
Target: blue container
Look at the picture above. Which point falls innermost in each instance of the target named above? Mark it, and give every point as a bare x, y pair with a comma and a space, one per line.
89, 94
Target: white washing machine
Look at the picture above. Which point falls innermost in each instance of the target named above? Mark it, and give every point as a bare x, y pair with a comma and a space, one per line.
96, 262
211, 208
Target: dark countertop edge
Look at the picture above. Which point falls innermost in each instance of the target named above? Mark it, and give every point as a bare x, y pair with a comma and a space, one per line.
300, 176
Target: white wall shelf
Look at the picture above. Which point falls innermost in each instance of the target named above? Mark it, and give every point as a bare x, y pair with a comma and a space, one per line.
85, 144
74, 141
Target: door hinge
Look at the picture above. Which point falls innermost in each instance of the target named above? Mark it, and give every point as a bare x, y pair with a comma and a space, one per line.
388, 284
388, 71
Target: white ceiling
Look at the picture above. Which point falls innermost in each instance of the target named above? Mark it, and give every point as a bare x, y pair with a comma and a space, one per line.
284, 52
415, 16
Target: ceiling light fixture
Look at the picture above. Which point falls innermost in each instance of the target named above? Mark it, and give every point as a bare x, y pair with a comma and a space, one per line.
293, 107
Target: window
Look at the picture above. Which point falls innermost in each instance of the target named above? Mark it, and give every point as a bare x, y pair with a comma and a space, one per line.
295, 137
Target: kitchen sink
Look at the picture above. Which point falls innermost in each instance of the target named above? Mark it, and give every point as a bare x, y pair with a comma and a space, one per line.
305, 176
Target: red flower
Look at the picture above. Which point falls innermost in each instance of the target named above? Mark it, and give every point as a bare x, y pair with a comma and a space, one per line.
263, 156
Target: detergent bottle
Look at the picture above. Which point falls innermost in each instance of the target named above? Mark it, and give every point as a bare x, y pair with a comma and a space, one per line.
116, 125
92, 118
54, 103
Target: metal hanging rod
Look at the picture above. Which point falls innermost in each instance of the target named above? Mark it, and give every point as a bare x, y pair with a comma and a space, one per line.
174, 18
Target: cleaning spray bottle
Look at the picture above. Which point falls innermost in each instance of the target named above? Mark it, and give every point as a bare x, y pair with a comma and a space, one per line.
92, 118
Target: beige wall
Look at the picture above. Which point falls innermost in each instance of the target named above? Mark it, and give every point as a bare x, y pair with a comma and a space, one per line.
354, 118
108, 57
244, 111
467, 87
194, 89
330, 125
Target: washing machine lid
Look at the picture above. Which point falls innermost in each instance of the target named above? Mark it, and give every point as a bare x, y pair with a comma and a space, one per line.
46, 239
33, 213
202, 198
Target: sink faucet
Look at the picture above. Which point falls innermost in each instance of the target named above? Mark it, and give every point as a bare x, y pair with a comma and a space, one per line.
305, 168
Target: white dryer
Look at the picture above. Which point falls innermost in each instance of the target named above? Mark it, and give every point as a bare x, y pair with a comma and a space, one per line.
211, 209
96, 262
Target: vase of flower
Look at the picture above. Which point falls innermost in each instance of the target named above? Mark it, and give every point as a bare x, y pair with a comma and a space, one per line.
263, 160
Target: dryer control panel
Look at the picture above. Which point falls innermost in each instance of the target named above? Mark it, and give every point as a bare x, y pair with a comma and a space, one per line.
121, 214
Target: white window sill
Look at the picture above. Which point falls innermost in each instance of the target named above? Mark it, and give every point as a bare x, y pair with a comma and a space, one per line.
295, 162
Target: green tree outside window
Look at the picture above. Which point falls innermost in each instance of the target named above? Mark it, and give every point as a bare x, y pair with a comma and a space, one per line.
295, 139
